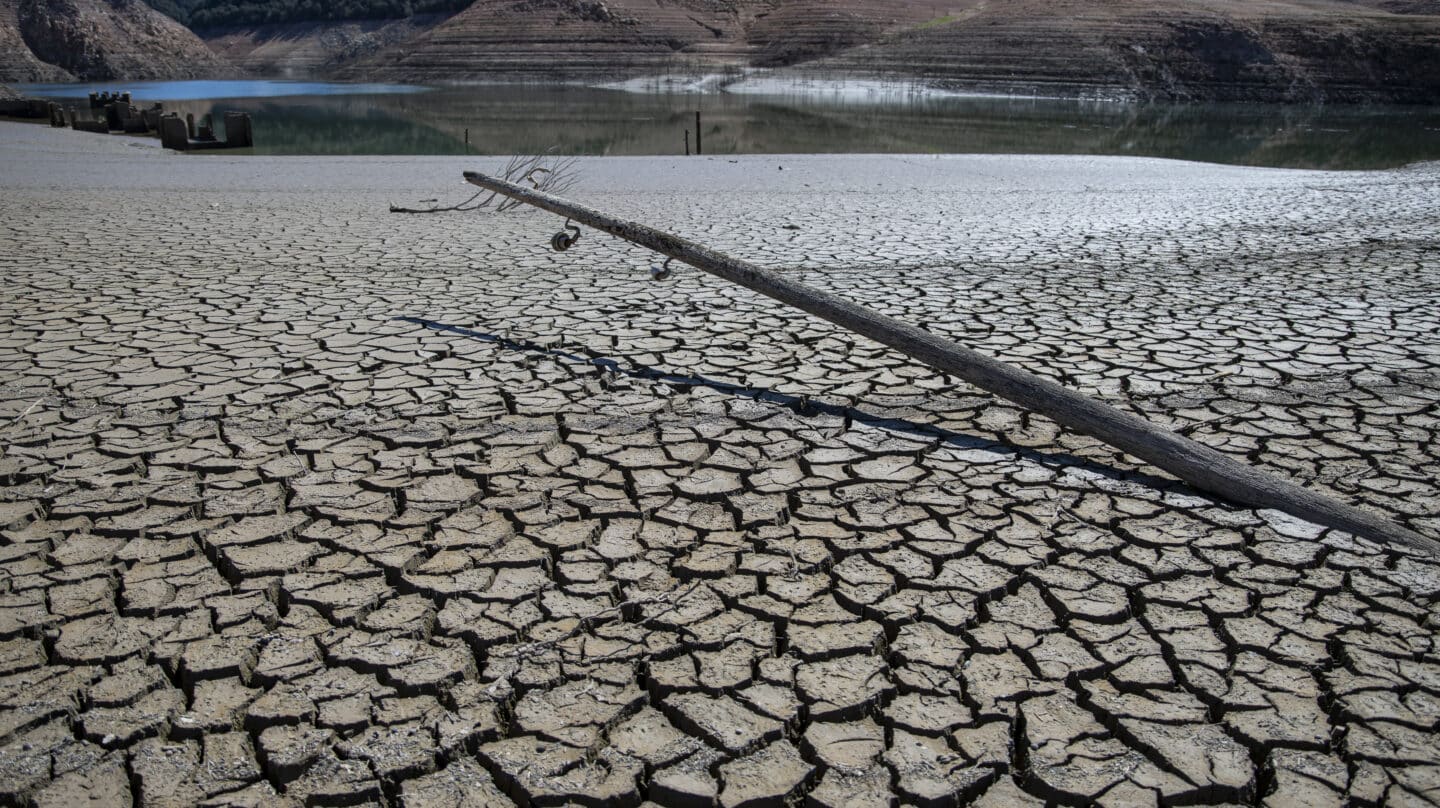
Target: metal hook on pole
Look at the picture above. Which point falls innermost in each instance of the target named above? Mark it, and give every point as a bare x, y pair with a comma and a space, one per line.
565, 239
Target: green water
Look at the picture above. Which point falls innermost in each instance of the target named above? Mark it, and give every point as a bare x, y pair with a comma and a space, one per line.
320, 118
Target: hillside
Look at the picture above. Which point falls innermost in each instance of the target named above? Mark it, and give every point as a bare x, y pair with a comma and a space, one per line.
572, 39
1256, 50
305, 49
208, 14
63, 40
1312, 50
1263, 50
17, 62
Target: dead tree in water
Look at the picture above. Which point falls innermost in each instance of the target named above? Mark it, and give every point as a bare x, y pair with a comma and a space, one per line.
1195, 463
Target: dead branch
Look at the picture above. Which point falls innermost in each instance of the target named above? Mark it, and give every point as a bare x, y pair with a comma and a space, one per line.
543, 172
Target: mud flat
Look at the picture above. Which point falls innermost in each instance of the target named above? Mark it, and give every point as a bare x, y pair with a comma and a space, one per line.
301, 497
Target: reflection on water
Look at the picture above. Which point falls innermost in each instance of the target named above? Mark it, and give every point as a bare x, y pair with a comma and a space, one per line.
299, 118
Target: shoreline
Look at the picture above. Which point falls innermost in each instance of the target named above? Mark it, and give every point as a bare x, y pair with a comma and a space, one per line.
748, 81
44, 159
761, 81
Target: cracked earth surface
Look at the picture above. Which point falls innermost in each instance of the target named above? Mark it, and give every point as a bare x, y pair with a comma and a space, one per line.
303, 502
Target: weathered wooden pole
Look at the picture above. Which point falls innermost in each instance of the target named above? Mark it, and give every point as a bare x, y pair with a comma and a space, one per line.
1195, 463
697, 132
687, 142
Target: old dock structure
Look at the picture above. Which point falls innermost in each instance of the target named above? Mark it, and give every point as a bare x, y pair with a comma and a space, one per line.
113, 113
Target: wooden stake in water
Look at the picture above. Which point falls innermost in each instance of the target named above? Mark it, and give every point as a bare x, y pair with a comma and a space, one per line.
1195, 463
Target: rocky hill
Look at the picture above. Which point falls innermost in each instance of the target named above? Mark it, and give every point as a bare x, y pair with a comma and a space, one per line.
1252, 50
1310, 50
17, 62
63, 40
306, 49
1263, 50
620, 38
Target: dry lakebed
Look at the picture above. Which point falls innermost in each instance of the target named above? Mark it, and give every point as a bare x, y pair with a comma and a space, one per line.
306, 502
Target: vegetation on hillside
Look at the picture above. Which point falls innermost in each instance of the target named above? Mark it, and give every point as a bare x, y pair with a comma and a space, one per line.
215, 13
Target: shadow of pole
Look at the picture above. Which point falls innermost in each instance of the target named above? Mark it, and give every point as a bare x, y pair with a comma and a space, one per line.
803, 405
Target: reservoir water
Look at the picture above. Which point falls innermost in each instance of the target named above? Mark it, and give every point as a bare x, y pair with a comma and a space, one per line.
334, 118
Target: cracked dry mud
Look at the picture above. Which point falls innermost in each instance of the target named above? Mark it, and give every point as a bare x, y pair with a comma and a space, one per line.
307, 503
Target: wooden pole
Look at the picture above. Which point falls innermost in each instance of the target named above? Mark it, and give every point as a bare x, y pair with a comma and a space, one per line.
1195, 463
697, 131
687, 142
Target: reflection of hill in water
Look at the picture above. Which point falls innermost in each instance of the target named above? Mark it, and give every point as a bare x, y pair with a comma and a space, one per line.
334, 125
575, 120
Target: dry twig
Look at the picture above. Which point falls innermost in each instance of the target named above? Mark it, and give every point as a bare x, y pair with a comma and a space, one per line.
556, 176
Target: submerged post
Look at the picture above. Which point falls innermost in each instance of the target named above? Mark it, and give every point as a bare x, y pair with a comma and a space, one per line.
237, 130
1195, 463
173, 133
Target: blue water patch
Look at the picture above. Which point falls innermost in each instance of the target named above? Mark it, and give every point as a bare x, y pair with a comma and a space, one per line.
207, 90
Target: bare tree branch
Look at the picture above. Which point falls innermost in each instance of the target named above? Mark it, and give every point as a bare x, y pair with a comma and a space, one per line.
543, 172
